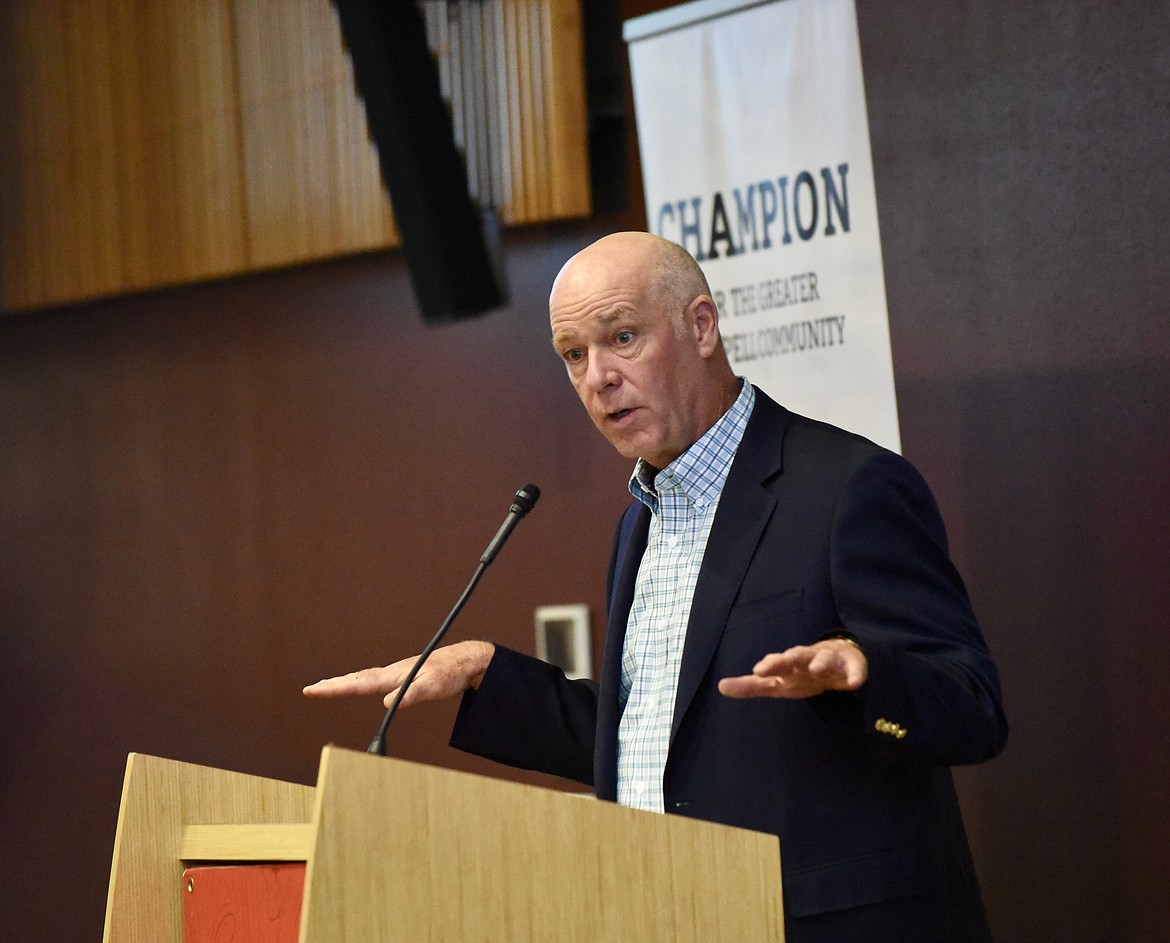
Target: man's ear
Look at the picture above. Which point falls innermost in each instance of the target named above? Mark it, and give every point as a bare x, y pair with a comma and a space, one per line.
705, 321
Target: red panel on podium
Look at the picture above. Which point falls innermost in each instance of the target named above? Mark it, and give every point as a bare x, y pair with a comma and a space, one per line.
249, 903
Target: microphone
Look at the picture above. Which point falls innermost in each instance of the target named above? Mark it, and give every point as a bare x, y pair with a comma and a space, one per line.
522, 503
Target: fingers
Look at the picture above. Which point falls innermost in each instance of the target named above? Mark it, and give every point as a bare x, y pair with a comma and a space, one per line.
846, 663
448, 672
425, 687
796, 685
750, 686
802, 671
367, 681
801, 660
840, 664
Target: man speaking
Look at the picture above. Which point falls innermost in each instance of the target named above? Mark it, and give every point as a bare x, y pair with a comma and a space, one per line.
790, 648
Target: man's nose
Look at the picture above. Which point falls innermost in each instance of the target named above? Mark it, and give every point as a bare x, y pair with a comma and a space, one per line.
602, 371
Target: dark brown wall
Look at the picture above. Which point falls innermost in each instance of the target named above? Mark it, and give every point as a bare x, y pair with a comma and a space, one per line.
1020, 153
212, 495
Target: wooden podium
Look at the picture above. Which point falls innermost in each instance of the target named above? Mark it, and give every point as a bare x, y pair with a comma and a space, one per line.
402, 851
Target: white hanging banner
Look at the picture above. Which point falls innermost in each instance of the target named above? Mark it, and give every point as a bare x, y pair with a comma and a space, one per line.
755, 157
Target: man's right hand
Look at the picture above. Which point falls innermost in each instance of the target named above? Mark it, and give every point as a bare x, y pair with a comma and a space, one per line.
448, 672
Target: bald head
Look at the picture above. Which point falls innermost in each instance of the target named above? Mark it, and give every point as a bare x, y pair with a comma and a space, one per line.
633, 318
666, 272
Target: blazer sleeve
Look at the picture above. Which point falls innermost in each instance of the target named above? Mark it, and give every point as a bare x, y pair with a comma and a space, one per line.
933, 691
527, 714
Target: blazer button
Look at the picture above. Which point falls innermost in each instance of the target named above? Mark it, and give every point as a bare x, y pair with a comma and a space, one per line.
897, 731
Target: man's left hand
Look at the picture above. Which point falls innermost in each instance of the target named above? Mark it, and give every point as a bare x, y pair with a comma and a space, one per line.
834, 664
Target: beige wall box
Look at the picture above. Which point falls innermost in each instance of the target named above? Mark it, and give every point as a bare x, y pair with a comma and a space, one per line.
563, 639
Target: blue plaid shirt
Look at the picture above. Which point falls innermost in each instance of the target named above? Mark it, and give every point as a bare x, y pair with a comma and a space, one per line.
682, 499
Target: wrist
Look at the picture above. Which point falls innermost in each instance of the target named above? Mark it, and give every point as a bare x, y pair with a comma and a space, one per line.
844, 637
480, 656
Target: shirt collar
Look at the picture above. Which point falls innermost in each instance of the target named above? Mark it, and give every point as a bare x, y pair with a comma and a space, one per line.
702, 469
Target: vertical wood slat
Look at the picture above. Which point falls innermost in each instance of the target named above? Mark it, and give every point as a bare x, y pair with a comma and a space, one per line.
517, 206
154, 142
86, 121
529, 84
173, 140
497, 109
543, 149
310, 174
537, 132
478, 172
567, 172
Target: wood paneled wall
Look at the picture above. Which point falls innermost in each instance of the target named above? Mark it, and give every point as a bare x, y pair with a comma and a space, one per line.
157, 142
512, 72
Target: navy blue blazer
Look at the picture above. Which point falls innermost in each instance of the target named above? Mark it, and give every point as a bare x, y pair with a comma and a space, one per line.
817, 531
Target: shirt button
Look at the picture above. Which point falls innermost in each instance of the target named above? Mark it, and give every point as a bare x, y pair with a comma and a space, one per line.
672, 541
639, 788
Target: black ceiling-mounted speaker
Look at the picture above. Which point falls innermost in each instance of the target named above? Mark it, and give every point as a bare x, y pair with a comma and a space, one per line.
452, 247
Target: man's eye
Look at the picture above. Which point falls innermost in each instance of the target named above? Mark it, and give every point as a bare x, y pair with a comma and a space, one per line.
572, 356
624, 337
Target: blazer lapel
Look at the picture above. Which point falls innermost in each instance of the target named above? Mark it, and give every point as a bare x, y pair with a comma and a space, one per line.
744, 510
628, 550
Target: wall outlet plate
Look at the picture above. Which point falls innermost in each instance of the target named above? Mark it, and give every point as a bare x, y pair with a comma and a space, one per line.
563, 639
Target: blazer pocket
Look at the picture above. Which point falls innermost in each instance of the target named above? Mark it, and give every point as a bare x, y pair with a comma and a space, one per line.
765, 608
854, 882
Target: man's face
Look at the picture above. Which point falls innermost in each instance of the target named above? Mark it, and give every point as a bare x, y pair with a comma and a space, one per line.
640, 376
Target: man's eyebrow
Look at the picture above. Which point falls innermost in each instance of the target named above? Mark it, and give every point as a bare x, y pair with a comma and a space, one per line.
605, 319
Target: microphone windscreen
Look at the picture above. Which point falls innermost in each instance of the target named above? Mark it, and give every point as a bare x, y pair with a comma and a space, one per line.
525, 499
